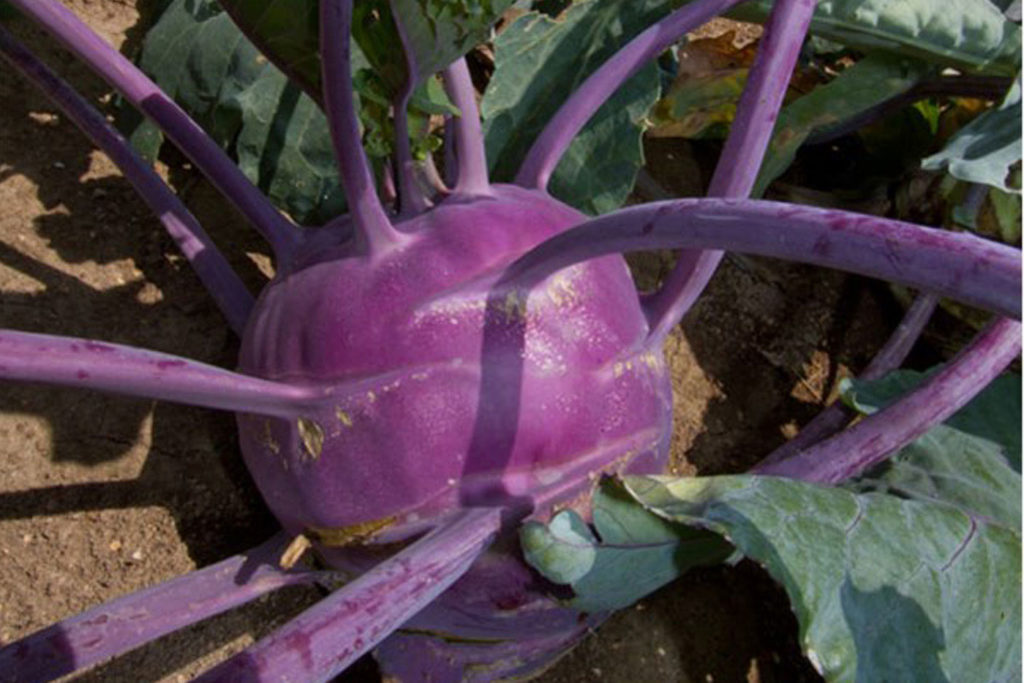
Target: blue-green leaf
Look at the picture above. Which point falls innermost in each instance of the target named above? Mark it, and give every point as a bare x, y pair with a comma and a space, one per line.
884, 588
562, 550
539, 61
988, 148
971, 462
632, 554
284, 147
197, 56
994, 415
967, 34
436, 31
856, 90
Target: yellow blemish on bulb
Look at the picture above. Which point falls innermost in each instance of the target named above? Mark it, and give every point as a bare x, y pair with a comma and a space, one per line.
312, 435
344, 418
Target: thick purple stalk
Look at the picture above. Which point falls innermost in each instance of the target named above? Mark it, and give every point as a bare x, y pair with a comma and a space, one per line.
890, 357
874, 438
372, 224
411, 199
469, 139
959, 265
185, 133
323, 640
745, 148
550, 145
133, 620
125, 370
223, 284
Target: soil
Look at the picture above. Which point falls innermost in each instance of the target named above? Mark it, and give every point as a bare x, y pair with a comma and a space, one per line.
101, 496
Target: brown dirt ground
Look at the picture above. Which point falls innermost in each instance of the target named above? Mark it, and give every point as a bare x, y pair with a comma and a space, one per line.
100, 495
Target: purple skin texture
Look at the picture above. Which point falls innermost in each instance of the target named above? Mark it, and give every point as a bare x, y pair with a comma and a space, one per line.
452, 352
436, 378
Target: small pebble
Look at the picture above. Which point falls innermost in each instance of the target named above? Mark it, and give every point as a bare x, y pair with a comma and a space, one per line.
115, 546
137, 556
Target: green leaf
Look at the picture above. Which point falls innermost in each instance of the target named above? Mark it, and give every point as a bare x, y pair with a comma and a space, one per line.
988, 148
855, 91
280, 139
287, 32
437, 31
538, 62
972, 461
884, 589
7, 12
994, 415
633, 554
284, 147
1006, 209
563, 550
701, 106
984, 210
968, 34
949, 466
198, 57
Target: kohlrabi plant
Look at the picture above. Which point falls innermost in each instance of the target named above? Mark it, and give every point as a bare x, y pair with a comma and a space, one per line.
454, 400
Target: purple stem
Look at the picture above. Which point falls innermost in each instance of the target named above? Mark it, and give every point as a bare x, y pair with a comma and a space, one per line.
133, 620
451, 161
329, 636
874, 438
411, 199
469, 139
185, 133
125, 370
745, 148
431, 177
550, 145
973, 270
837, 416
388, 191
372, 225
233, 299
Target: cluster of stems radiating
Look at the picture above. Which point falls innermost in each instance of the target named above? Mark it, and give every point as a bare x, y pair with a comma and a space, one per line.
343, 627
